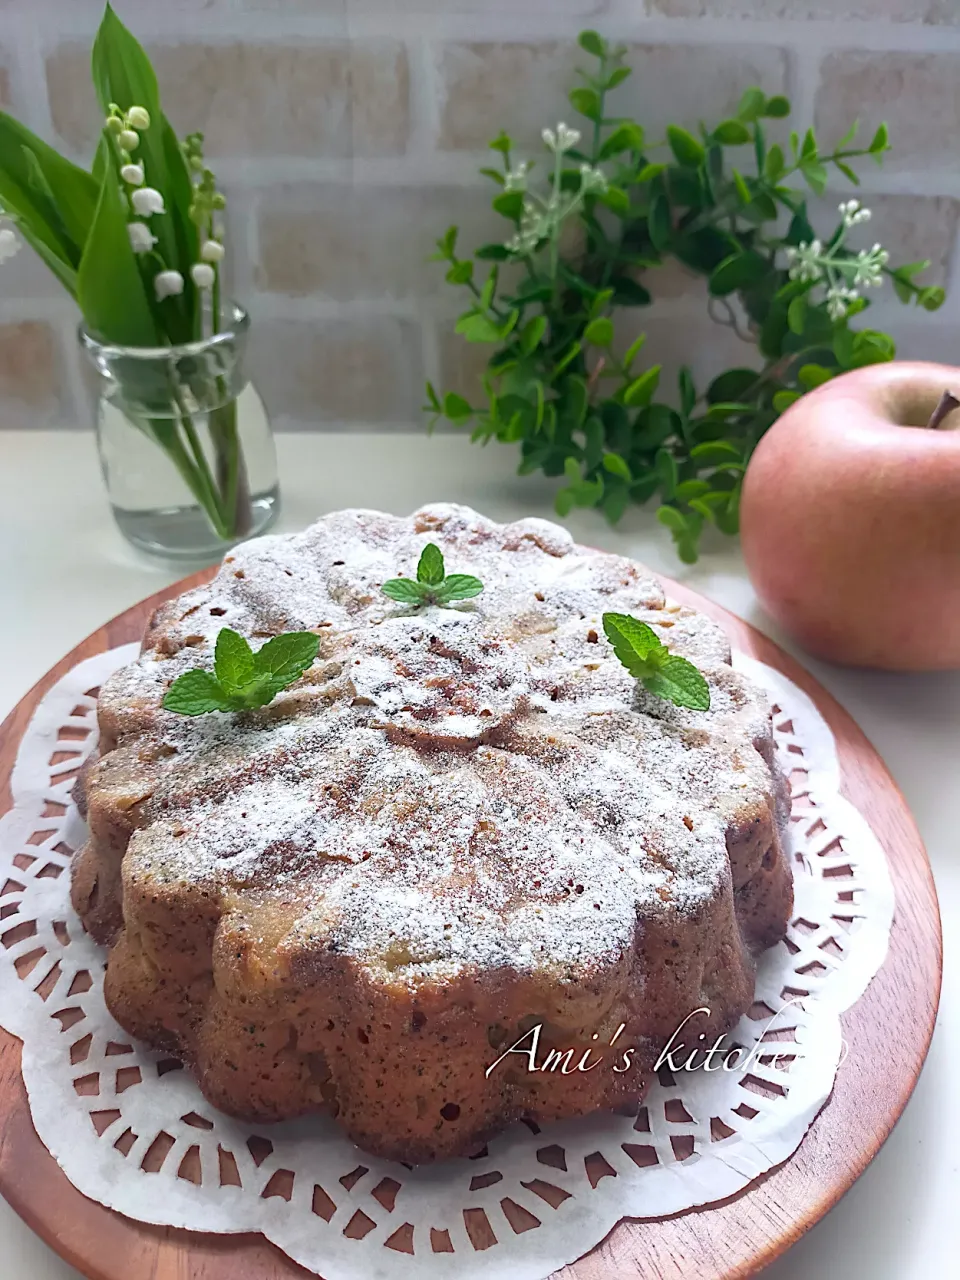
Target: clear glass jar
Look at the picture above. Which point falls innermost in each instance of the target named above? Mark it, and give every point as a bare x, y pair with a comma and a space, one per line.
185, 445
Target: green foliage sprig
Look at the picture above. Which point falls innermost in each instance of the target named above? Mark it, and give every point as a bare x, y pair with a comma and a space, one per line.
730, 205
241, 679
432, 585
666, 675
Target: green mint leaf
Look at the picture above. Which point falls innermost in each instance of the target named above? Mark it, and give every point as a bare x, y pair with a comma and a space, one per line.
404, 590
195, 693
633, 641
458, 586
430, 570
678, 681
284, 658
233, 661
261, 690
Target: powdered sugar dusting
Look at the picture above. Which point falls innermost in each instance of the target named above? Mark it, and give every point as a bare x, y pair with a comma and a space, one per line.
477, 786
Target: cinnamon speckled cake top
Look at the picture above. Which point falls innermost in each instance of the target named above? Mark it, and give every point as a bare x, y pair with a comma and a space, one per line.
475, 786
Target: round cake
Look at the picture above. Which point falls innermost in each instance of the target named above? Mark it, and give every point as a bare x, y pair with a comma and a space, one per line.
463, 831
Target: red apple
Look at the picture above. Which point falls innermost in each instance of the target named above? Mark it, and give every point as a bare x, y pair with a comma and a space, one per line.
850, 520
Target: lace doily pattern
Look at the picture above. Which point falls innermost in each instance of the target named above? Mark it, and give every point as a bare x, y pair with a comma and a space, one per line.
131, 1130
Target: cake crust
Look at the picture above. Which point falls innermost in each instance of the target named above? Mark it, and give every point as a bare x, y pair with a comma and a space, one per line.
459, 825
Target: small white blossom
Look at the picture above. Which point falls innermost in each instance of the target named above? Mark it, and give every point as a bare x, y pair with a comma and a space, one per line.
167, 284
203, 275
9, 244
129, 139
804, 261
142, 238
516, 179
133, 174
146, 201
592, 179
853, 213
838, 297
869, 266
211, 251
114, 124
138, 118
562, 140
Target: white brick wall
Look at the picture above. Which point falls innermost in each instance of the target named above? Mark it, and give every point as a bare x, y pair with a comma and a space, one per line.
347, 135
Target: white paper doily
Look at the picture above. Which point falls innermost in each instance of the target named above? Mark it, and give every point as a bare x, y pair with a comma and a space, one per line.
131, 1130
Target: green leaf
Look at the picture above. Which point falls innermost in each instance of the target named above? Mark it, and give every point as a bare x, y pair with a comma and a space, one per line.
715, 453
688, 151
626, 137
502, 143
665, 465
731, 385
494, 175
633, 641
814, 375
477, 328
650, 171
687, 389
640, 391
847, 172
195, 693
628, 293
633, 350
659, 225
797, 314
459, 586
599, 332
678, 681
743, 191
751, 105
404, 590
880, 141
461, 272
592, 42
738, 272
932, 297
586, 102
617, 466
233, 661
456, 408
430, 570
688, 490
433, 399
509, 204
815, 175
777, 107
285, 658
617, 76
492, 253
532, 333
784, 399
110, 289
774, 164
616, 198
732, 133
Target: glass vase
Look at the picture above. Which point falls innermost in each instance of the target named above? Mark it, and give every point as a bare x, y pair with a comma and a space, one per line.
185, 445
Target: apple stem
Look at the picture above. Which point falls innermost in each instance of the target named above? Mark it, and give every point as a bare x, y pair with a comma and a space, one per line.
946, 404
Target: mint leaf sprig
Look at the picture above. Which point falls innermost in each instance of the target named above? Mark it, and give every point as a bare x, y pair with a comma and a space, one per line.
648, 659
432, 584
242, 679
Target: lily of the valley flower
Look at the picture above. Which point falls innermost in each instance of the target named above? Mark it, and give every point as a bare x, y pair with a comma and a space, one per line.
167, 284
147, 201
138, 118
203, 275
9, 244
211, 251
142, 238
132, 174
129, 139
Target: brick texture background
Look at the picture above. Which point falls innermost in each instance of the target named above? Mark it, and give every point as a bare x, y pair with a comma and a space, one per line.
347, 134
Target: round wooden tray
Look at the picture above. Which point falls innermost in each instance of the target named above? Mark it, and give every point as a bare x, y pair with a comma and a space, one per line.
888, 1032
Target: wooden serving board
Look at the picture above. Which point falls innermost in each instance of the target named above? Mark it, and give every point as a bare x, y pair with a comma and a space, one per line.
888, 1032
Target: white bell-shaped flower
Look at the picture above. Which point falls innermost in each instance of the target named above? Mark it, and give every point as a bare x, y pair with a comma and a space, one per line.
138, 118
146, 201
132, 174
129, 139
211, 251
9, 244
142, 238
167, 284
203, 275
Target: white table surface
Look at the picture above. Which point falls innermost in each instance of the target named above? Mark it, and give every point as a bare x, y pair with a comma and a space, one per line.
64, 570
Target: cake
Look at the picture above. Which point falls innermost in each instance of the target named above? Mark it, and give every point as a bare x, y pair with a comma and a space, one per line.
461, 830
